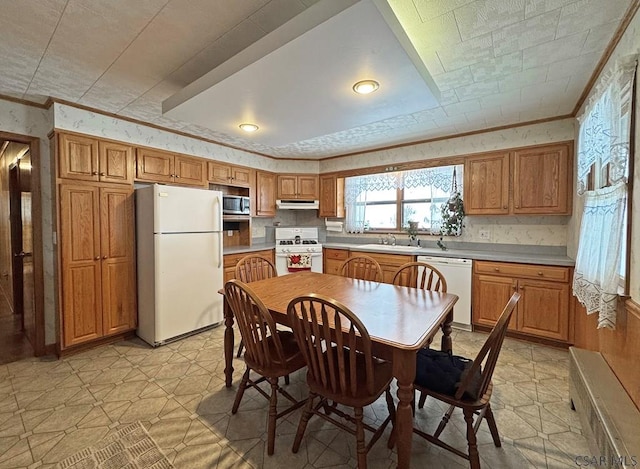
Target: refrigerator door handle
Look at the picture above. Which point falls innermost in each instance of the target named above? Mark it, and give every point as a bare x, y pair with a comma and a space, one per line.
220, 252
219, 218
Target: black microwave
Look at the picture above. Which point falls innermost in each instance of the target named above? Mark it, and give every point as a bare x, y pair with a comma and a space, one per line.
235, 205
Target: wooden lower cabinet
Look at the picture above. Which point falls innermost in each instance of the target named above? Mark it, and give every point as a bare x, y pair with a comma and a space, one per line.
231, 260
390, 263
543, 309
98, 296
333, 259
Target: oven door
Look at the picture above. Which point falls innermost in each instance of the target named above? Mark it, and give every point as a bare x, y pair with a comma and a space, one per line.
281, 262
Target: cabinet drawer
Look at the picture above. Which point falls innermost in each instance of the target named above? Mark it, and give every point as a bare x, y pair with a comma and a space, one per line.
545, 272
230, 260
339, 254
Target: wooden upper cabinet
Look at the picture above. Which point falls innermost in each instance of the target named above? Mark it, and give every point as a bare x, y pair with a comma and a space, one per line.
190, 171
154, 165
116, 162
265, 194
530, 181
331, 197
161, 166
486, 184
542, 180
302, 186
78, 157
220, 173
90, 159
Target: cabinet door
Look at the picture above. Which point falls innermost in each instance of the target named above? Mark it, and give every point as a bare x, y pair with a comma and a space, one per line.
265, 194
542, 180
486, 184
331, 197
190, 171
118, 260
219, 173
307, 187
544, 309
333, 259
80, 261
116, 162
490, 295
240, 176
154, 166
287, 187
78, 157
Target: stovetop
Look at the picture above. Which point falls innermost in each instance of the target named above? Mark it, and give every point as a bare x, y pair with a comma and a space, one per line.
291, 242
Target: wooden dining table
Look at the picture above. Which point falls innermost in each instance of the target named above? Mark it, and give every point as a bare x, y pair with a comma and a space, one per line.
400, 321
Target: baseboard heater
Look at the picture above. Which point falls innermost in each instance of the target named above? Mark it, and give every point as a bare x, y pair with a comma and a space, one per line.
610, 420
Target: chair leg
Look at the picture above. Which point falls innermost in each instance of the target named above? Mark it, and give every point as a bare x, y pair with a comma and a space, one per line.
286, 380
474, 457
423, 398
488, 415
273, 411
361, 447
240, 393
444, 421
391, 407
304, 419
240, 349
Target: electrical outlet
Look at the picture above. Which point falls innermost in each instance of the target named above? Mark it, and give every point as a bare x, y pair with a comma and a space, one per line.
229, 232
485, 234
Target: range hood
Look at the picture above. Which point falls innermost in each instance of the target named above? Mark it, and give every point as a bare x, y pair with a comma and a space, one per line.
297, 204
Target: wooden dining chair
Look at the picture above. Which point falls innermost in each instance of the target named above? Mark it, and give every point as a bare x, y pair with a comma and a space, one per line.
420, 275
361, 268
473, 394
270, 353
251, 269
341, 368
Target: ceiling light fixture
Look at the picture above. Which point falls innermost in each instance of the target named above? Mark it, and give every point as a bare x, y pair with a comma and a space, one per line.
366, 86
249, 127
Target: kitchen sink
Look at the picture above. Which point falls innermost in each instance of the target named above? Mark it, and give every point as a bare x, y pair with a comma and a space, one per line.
389, 247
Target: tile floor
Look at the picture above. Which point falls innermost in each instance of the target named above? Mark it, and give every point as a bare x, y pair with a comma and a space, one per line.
50, 409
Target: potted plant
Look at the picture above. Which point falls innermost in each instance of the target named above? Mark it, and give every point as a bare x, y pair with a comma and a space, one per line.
452, 215
412, 231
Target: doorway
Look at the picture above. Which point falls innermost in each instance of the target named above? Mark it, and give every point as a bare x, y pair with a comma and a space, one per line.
21, 279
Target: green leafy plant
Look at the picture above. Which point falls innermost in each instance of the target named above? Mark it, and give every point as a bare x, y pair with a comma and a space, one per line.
452, 215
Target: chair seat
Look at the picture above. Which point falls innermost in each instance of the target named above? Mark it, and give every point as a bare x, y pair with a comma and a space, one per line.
293, 358
464, 401
383, 375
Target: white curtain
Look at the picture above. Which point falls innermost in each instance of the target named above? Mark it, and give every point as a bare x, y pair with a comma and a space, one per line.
595, 282
440, 177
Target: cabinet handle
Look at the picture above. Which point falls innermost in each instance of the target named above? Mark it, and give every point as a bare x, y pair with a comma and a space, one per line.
517, 206
104, 257
505, 207
177, 177
540, 274
496, 269
95, 173
102, 173
521, 288
97, 258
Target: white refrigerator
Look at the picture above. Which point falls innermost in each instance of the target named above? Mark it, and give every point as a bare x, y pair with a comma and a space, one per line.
179, 250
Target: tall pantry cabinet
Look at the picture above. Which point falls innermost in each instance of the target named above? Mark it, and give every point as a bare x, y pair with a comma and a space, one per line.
96, 240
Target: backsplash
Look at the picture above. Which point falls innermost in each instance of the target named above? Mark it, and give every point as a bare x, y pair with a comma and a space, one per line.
529, 230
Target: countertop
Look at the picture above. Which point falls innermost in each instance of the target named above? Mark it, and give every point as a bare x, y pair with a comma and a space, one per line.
536, 255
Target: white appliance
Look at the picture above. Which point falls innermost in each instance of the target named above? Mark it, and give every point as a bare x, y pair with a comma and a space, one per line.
297, 241
179, 250
457, 273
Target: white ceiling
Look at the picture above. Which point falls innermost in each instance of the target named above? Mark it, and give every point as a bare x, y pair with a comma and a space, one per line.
495, 62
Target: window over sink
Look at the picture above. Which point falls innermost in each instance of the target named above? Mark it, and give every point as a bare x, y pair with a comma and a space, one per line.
389, 201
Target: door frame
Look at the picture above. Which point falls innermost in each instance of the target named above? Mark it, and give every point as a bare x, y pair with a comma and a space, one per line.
39, 347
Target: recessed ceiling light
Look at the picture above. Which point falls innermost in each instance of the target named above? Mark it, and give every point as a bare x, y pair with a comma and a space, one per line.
366, 86
249, 127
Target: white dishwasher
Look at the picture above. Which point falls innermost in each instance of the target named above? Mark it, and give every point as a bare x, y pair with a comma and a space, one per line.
457, 273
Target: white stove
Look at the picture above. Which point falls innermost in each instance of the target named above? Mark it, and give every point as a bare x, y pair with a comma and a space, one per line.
298, 249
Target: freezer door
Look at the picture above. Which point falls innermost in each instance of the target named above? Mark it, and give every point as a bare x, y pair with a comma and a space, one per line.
188, 277
186, 210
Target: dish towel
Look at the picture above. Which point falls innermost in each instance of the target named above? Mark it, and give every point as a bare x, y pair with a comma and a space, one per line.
298, 262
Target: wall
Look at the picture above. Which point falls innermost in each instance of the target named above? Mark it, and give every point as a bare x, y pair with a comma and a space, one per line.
620, 347
36, 122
